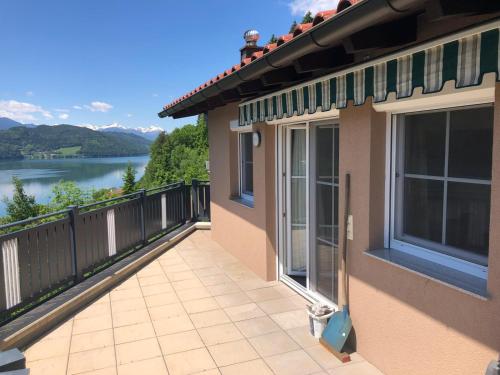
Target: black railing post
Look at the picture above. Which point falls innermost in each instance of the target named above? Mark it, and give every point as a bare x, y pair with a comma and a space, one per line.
73, 217
142, 193
195, 198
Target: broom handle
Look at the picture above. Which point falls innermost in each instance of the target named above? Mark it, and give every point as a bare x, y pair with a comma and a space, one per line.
344, 249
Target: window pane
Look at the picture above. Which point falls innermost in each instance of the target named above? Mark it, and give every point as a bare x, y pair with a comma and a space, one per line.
425, 140
298, 196
248, 180
336, 155
471, 139
324, 212
299, 247
327, 273
298, 152
324, 154
248, 147
468, 217
423, 209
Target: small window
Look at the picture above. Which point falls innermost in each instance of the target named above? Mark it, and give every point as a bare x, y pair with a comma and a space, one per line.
442, 182
246, 166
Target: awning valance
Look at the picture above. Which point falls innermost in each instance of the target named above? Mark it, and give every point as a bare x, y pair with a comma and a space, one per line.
464, 61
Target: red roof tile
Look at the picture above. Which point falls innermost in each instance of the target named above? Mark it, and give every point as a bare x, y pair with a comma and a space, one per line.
299, 29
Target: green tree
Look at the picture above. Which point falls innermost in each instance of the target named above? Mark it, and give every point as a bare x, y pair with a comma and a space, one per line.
308, 18
22, 206
67, 193
129, 185
292, 28
273, 39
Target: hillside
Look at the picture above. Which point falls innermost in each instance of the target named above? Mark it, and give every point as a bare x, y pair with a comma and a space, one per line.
7, 123
17, 142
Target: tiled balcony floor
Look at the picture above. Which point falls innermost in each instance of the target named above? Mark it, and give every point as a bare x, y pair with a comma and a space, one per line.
194, 310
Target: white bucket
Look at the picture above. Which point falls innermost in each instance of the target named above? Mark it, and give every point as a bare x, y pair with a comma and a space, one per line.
317, 324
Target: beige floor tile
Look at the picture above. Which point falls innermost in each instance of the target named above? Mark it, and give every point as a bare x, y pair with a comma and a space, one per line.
92, 340
151, 290
273, 343
152, 366
323, 357
152, 280
234, 299
242, 312
94, 310
302, 336
220, 334
127, 294
161, 299
279, 305
91, 360
209, 271
200, 305
134, 332
190, 362
255, 283
152, 270
182, 267
291, 319
357, 368
179, 276
257, 326
292, 363
209, 318
264, 294
130, 283
221, 289
213, 371
166, 311
48, 349
180, 342
127, 318
52, 366
103, 371
187, 284
176, 324
194, 293
215, 279
232, 352
137, 351
255, 367
92, 324
128, 305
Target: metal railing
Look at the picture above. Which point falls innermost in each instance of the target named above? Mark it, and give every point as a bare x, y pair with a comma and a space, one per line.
45, 255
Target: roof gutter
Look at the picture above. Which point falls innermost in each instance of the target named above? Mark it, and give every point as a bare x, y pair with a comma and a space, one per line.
324, 35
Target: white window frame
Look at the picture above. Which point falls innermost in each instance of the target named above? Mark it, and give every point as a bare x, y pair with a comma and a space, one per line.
247, 196
435, 256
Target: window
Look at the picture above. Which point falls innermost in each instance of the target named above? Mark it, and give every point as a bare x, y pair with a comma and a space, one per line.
246, 166
442, 183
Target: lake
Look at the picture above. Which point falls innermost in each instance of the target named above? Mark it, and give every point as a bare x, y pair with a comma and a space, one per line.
39, 176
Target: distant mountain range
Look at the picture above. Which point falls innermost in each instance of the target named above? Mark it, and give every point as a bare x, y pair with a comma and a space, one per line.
149, 133
44, 141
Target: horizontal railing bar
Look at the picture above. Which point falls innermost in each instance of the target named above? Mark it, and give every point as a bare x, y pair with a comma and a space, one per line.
33, 219
166, 187
127, 196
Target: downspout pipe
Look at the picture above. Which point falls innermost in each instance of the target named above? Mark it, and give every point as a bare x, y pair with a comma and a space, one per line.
325, 35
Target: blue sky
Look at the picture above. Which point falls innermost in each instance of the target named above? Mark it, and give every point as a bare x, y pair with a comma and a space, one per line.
119, 61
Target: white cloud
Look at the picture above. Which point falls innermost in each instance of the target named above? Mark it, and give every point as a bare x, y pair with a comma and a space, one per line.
129, 115
62, 110
21, 111
77, 107
63, 116
301, 7
154, 95
30, 93
99, 107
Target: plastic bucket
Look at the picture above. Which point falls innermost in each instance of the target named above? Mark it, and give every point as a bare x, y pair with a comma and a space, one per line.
317, 324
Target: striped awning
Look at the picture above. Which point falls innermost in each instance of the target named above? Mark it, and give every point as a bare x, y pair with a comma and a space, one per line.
464, 61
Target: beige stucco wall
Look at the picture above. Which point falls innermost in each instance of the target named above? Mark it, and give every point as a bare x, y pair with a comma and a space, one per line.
405, 323
248, 233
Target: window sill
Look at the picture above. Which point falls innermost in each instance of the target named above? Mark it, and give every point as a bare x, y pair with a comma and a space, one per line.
472, 285
245, 202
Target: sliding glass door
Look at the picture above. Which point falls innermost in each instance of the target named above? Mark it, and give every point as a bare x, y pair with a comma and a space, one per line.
309, 187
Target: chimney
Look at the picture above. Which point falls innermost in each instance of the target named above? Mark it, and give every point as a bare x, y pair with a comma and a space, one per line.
251, 37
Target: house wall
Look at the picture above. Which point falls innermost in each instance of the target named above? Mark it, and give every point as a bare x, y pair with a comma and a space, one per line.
405, 323
248, 233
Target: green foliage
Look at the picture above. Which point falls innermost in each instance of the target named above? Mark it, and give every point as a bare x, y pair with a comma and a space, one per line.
67, 139
273, 39
179, 155
22, 206
292, 28
308, 18
129, 185
67, 193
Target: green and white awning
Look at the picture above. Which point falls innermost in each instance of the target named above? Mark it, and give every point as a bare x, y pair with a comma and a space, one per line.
464, 61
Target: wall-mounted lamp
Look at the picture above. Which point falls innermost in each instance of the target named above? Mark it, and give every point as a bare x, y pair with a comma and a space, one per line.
256, 138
